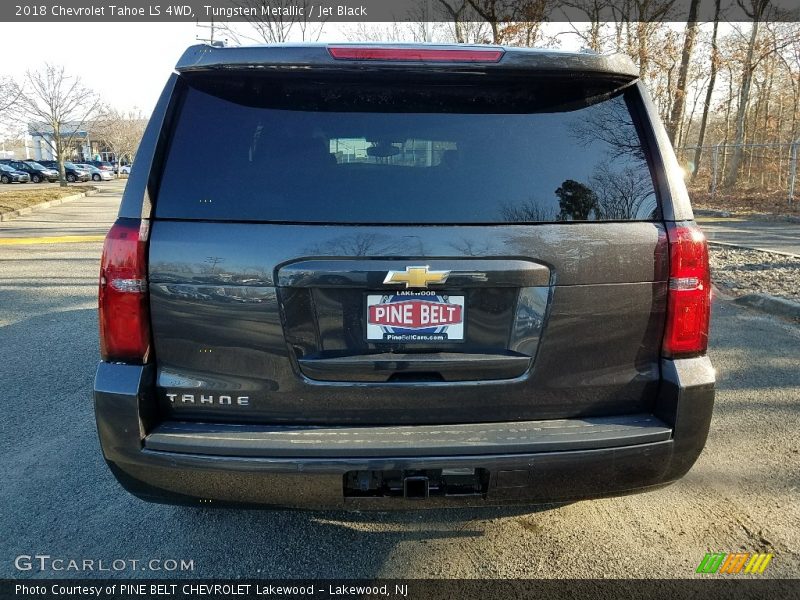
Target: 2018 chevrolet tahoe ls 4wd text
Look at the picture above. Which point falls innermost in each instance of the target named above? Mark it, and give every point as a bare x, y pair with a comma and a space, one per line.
371, 276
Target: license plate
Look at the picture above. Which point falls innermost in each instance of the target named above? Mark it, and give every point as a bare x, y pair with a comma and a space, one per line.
408, 317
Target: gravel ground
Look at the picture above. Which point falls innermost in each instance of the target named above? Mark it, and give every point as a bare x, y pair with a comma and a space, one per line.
742, 272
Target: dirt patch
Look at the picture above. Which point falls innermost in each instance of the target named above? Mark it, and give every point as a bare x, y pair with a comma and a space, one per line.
748, 202
18, 197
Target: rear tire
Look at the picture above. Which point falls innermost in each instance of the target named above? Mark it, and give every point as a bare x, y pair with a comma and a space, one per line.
36, 179
5, 179
71, 178
96, 177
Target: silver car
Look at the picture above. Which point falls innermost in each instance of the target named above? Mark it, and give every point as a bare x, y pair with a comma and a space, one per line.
96, 174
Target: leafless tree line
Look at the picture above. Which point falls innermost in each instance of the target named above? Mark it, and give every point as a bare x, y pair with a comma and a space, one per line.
732, 84
712, 82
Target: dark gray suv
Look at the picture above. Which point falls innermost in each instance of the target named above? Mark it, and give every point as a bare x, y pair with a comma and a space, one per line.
402, 276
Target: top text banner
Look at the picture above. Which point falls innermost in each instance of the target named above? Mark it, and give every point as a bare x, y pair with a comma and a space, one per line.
576, 11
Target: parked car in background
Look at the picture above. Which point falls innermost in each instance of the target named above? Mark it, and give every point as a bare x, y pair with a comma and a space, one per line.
38, 173
96, 173
71, 171
122, 169
103, 165
9, 174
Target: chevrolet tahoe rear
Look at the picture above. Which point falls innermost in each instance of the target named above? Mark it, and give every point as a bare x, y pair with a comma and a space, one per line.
373, 276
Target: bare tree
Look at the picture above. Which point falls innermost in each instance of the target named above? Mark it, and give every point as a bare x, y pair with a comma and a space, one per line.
56, 106
793, 65
679, 103
495, 12
475, 32
644, 18
758, 8
517, 22
527, 29
622, 193
415, 26
276, 25
9, 93
632, 27
120, 131
392, 32
463, 18
698, 153
612, 126
596, 12
751, 65
528, 211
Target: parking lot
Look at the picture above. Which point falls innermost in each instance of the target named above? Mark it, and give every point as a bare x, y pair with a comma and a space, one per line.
59, 498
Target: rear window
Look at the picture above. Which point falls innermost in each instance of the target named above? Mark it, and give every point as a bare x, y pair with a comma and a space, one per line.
389, 153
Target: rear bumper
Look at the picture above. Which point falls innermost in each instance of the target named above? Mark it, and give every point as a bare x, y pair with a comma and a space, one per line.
524, 463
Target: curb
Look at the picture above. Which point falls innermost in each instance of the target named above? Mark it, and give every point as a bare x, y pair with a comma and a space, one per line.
771, 304
742, 247
12, 214
701, 212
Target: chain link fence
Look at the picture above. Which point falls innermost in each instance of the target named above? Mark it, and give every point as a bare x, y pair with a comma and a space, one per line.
766, 168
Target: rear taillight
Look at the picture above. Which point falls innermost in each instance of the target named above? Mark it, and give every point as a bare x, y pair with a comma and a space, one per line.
124, 316
416, 54
689, 297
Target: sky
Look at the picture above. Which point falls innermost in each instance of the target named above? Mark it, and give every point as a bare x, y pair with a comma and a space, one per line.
127, 64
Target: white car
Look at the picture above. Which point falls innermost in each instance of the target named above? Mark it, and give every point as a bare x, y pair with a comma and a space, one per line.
96, 174
125, 169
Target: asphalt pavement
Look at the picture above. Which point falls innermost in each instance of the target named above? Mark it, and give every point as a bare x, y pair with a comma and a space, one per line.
59, 499
780, 236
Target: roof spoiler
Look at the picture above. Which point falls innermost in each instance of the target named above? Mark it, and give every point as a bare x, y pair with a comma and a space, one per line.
284, 57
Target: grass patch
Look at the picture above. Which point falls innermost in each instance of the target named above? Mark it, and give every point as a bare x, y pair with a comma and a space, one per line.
18, 197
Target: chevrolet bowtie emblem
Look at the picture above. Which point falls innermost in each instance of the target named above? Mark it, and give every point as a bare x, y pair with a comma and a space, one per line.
416, 277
